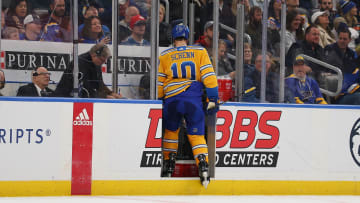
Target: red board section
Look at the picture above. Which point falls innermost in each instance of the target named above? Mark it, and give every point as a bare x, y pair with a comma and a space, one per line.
185, 170
82, 149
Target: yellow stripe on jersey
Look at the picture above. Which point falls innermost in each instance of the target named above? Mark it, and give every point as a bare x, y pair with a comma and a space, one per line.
180, 66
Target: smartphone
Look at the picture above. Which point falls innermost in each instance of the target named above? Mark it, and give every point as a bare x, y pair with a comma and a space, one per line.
108, 35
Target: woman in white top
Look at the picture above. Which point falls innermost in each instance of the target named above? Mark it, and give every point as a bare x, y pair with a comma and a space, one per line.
321, 20
294, 28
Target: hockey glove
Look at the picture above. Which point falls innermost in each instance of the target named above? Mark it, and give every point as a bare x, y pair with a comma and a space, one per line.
213, 104
212, 107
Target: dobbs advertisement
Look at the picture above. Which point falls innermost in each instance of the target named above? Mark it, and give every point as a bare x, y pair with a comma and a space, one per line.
263, 142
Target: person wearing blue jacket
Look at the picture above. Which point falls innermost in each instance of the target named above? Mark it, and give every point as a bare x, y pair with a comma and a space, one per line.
304, 89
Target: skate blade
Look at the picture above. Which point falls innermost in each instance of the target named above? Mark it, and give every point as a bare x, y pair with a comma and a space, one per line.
205, 179
205, 183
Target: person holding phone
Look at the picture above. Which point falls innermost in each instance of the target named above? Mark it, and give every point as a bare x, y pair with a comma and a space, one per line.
93, 32
92, 10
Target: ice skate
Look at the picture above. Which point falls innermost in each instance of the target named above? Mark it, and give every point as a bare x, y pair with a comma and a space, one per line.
203, 171
169, 165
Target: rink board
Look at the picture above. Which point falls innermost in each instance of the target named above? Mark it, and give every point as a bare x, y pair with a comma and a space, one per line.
111, 147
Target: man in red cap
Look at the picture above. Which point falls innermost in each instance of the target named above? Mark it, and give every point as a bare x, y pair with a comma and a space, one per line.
138, 25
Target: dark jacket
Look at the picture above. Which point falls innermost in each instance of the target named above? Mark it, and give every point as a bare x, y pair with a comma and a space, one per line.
255, 32
303, 47
91, 84
29, 90
164, 33
346, 61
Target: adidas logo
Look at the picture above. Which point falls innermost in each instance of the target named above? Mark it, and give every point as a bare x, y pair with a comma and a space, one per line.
83, 118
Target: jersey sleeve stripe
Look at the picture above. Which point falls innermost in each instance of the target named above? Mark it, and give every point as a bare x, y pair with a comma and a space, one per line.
161, 75
176, 90
205, 67
207, 75
199, 146
175, 83
167, 51
170, 141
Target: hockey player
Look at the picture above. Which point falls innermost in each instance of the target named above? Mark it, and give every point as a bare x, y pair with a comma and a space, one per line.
183, 73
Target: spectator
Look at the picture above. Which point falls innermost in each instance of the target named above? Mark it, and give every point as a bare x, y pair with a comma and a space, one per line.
138, 26
164, 29
327, 5
32, 28
275, 14
247, 53
39, 86
206, 39
224, 65
16, 14
350, 94
90, 7
341, 22
252, 82
248, 61
202, 15
305, 90
144, 5
341, 56
254, 29
91, 84
90, 11
2, 80
294, 29
310, 46
348, 10
124, 4
52, 22
246, 4
321, 20
292, 5
124, 24
306, 4
93, 33
11, 33
65, 33
226, 17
